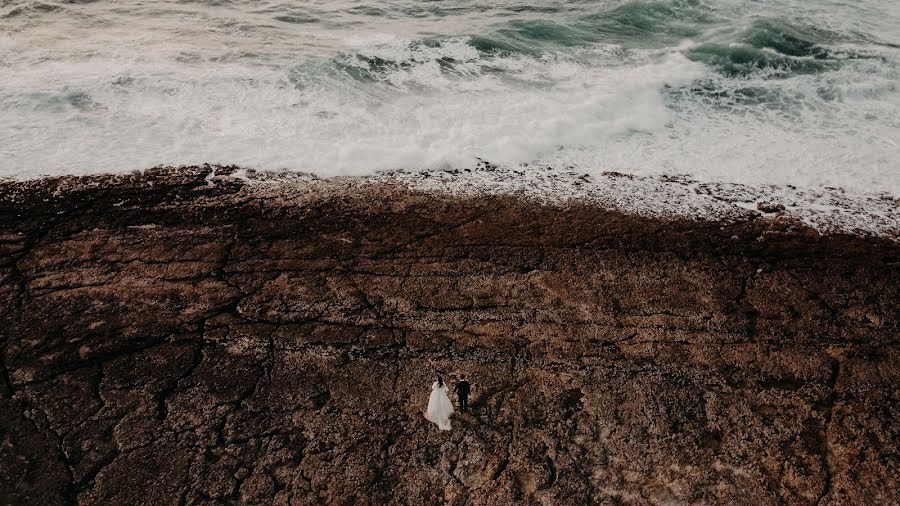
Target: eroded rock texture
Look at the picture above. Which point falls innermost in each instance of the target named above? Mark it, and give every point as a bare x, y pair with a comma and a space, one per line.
178, 338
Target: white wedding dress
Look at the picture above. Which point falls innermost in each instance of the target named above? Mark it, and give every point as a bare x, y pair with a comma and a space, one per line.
440, 409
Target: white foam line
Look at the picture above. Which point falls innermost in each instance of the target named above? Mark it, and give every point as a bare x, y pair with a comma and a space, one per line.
827, 210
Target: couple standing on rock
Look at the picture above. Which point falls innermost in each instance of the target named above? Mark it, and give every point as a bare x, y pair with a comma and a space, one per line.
440, 409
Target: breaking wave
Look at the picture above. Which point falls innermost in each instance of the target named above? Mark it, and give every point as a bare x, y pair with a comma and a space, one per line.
734, 92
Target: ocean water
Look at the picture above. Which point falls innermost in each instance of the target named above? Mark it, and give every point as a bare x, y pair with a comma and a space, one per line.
802, 92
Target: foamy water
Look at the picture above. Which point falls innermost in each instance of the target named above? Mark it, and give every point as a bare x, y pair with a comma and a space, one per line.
801, 93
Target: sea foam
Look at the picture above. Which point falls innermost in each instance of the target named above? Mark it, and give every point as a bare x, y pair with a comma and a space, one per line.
646, 88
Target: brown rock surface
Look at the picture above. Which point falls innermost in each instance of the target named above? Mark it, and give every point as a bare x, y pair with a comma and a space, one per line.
178, 338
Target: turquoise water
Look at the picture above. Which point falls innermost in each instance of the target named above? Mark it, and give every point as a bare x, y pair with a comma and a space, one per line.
798, 92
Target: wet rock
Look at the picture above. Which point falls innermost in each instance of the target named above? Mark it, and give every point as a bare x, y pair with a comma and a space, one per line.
770, 207
187, 336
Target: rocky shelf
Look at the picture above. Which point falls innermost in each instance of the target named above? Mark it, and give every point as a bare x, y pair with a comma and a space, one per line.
204, 336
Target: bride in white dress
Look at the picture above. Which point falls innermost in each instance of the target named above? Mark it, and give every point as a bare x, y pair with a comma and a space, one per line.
440, 409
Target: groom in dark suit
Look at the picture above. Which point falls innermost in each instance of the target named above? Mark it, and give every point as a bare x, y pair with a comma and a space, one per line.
462, 390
